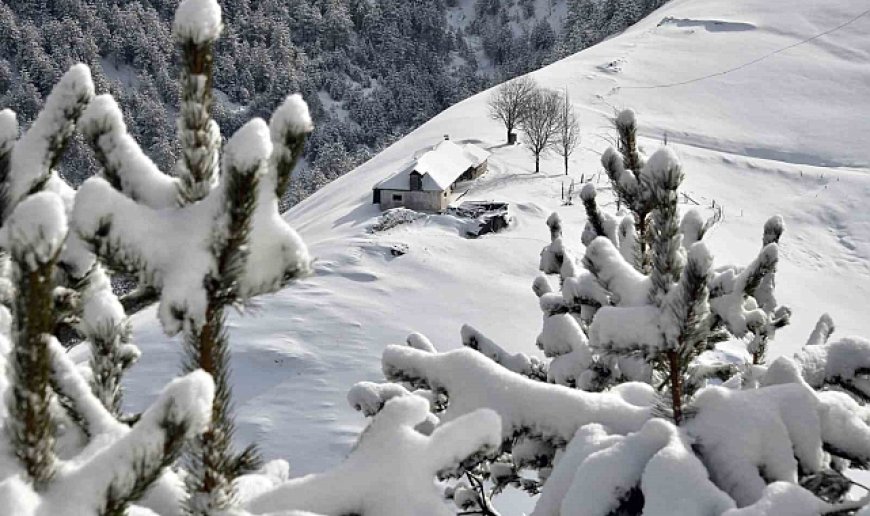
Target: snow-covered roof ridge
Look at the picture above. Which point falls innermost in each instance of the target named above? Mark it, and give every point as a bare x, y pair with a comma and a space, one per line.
440, 166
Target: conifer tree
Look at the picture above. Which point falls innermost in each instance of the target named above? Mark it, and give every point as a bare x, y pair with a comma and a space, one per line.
235, 244
49, 280
623, 166
644, 339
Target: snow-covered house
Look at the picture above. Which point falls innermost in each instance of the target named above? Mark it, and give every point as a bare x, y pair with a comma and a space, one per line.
426, 184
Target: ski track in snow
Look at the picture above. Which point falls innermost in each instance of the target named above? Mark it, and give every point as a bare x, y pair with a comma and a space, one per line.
758, 142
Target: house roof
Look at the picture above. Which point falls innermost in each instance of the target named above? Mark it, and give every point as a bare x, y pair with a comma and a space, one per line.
440, 167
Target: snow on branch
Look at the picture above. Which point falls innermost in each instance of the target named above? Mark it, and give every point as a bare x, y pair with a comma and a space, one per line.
37, 151
198, 21
289, 127
173, 248
602, 473
8, 136
36, 230
626, 285
114, 470
519, 363
391, 470
125, 166
731, 291
752, 437
552, 412
369, 397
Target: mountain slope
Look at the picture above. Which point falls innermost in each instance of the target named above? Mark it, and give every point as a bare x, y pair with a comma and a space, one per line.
787, 135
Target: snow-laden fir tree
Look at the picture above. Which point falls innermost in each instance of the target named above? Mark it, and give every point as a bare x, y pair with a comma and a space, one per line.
201, 241
635, 410
204, 239
66, 448
624, 166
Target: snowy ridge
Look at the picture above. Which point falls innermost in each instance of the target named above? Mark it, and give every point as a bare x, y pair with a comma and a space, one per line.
750, 142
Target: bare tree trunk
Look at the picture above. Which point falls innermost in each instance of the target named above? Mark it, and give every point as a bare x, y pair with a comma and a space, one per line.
566, 164
537, 163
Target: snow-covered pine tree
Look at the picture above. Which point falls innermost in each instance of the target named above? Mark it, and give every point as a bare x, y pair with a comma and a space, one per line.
202, 241
681, 307
669, 427
623, 166
64, 449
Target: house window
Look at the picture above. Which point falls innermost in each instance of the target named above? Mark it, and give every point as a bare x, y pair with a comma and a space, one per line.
397, 197
416, 181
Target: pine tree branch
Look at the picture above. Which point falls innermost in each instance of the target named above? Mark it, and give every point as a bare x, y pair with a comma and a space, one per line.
139, 299
207, 348
30, 426
125, 165
197, 132
148, 466
39, 150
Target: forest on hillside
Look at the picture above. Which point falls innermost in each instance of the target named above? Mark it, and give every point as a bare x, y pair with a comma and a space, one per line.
370, 70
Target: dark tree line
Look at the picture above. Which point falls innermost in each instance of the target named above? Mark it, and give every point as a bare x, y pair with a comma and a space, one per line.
370, 70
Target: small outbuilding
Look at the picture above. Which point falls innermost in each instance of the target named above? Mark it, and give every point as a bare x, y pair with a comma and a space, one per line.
428, 182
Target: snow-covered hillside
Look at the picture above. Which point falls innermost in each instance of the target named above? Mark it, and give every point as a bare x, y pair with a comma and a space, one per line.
787, 133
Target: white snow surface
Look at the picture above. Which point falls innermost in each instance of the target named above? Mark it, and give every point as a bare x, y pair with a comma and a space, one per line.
786, 135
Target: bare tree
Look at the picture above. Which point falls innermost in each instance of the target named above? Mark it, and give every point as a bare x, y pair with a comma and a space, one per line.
509, 102
568, 137
540, 122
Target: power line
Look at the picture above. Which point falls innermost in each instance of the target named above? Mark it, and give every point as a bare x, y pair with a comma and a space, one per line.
750, 63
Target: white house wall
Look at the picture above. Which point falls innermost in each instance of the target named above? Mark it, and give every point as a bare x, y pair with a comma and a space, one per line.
417, 200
